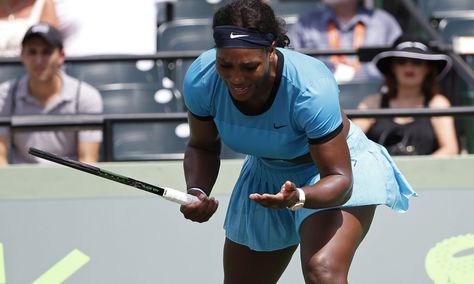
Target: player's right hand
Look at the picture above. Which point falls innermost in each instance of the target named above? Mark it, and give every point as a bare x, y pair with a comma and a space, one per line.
200, 211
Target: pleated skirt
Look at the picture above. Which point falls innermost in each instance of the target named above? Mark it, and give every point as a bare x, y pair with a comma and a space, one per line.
376, 181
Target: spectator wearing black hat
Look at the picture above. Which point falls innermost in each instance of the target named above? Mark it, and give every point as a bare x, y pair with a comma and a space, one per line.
46, 90
411, 72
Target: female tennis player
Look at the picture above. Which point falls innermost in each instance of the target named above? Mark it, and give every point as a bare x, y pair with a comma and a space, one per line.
310, 177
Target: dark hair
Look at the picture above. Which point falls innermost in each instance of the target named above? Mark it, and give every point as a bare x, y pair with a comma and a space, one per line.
429, 86
252, 14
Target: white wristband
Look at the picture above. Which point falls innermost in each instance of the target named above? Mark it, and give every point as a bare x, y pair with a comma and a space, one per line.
197, 189
301, 199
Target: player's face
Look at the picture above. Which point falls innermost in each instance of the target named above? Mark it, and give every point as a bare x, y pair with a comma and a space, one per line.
246, 73
41, 60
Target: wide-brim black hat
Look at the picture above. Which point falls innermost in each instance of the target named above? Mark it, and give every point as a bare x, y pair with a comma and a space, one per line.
415, 49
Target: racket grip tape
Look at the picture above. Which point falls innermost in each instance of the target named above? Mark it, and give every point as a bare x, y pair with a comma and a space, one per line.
178, 196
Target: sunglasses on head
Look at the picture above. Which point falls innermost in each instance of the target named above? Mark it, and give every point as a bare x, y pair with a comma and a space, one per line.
403, 60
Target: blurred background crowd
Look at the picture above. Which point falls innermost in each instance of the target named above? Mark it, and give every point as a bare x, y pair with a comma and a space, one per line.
130, 57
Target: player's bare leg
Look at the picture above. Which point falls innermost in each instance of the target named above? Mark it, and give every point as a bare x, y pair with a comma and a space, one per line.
329, 240
243, 265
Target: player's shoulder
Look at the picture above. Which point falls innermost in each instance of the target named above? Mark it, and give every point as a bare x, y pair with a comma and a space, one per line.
303, 70
206, 58
202, 71
299, 60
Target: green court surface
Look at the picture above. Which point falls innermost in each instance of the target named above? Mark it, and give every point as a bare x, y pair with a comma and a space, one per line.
58, 224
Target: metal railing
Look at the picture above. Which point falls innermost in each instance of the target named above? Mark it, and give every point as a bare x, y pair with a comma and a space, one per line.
106, 122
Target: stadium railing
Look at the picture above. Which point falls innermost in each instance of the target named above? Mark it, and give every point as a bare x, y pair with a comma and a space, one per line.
106, 122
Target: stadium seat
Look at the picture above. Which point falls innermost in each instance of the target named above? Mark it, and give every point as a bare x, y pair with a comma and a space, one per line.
443, 8
285, 8
453, 26
164, 140
140, 98
450, 28
352, 93
184, 35
10, 71
108, 72
195, 9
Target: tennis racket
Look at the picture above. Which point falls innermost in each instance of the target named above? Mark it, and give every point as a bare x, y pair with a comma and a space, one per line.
165, 192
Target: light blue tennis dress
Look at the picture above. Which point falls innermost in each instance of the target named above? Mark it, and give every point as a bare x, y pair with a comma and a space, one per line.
304, 109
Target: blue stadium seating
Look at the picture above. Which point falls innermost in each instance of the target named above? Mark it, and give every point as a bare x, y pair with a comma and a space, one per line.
108, 72
140, 98
195, 9
149, 141
443, 8
10, 71
288, 8
164, 140
184, 35
352, 93
454, 26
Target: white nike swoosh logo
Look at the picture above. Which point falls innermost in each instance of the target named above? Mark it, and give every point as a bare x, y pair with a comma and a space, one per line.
232, 36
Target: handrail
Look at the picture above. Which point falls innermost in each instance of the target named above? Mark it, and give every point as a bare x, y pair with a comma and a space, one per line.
168, 55
106, 121
83, 121
75, 122
365, 54
411, 112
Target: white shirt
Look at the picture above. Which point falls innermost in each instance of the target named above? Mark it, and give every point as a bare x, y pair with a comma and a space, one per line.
12, 31
98, 27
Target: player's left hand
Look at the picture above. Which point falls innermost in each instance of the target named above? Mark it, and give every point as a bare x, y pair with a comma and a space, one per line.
286, 197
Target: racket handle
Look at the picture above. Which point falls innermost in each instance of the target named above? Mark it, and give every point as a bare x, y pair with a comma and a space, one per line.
178, 196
